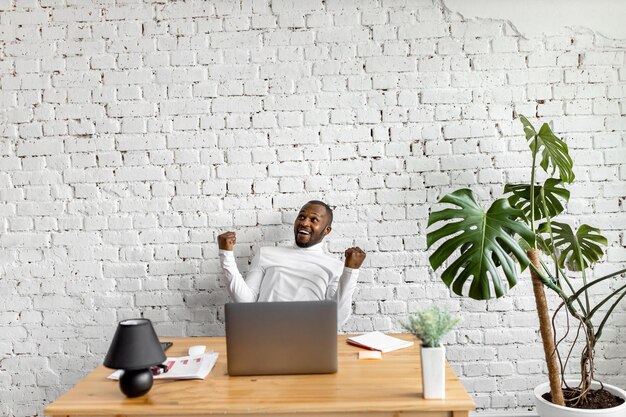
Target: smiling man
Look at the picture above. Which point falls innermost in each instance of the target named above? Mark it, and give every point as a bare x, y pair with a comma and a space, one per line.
303, 272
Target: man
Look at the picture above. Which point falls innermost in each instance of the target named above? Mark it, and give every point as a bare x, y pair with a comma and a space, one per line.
303, 272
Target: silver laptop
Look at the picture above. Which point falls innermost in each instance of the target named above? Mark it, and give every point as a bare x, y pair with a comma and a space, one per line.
281, 338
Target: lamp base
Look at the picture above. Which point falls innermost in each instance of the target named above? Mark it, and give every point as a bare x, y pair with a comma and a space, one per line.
136, 383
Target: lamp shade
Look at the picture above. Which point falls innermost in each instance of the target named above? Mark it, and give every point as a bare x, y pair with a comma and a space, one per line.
134, 346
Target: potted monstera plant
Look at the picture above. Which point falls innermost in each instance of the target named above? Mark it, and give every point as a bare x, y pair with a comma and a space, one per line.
479, 252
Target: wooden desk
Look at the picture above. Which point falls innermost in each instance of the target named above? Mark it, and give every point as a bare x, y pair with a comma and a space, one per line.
386, 387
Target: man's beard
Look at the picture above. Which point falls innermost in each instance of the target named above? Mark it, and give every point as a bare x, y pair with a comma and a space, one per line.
311, 241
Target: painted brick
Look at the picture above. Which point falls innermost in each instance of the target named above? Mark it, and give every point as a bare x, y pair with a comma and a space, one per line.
390, 64
423, 30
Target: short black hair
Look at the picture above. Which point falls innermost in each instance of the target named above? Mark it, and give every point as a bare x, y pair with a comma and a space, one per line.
329, 211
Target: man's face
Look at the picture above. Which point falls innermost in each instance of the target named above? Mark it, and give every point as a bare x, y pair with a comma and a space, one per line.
311, 225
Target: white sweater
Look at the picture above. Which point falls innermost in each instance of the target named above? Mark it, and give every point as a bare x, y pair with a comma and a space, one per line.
292, 274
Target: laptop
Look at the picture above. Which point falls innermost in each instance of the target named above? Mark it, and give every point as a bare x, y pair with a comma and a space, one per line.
281, 338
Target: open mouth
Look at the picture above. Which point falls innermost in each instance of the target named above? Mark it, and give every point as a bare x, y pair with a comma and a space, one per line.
304, 232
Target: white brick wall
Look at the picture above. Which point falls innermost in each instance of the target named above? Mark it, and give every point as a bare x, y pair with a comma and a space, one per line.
131, 134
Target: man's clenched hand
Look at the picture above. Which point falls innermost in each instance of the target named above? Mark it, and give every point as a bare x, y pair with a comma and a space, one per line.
226, 241
354, 257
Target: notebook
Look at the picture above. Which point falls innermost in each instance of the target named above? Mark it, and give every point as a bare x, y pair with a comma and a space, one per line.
379, 341
184, 367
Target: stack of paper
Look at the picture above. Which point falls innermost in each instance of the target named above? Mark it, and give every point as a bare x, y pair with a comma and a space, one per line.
379, 341
184, 367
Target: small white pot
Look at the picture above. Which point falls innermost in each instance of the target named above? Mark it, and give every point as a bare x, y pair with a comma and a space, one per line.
434, 372
547, 409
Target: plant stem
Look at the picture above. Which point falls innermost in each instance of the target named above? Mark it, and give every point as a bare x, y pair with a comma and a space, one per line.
549, 221
581, 265
532, 192
535, 272
569, 284
601, 303
571, 287
584, 288
546, 281
608, 314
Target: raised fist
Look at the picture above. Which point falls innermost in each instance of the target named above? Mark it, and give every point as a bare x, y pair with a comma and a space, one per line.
226, 241
354, 257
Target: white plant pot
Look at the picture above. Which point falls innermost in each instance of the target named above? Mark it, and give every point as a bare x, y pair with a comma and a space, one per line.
434, 372
547, 409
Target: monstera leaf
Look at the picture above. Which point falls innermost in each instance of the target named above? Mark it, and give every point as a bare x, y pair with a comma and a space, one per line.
553, 150
585, 242
478, 237
551, 192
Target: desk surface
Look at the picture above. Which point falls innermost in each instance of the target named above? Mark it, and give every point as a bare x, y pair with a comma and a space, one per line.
376, 388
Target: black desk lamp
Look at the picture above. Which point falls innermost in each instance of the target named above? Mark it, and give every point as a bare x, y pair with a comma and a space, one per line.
135, 348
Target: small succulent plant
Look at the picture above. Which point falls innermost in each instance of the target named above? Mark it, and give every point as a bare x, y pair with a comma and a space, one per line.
431, 325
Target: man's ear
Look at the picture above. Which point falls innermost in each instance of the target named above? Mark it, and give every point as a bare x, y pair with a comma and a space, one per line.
327, 230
